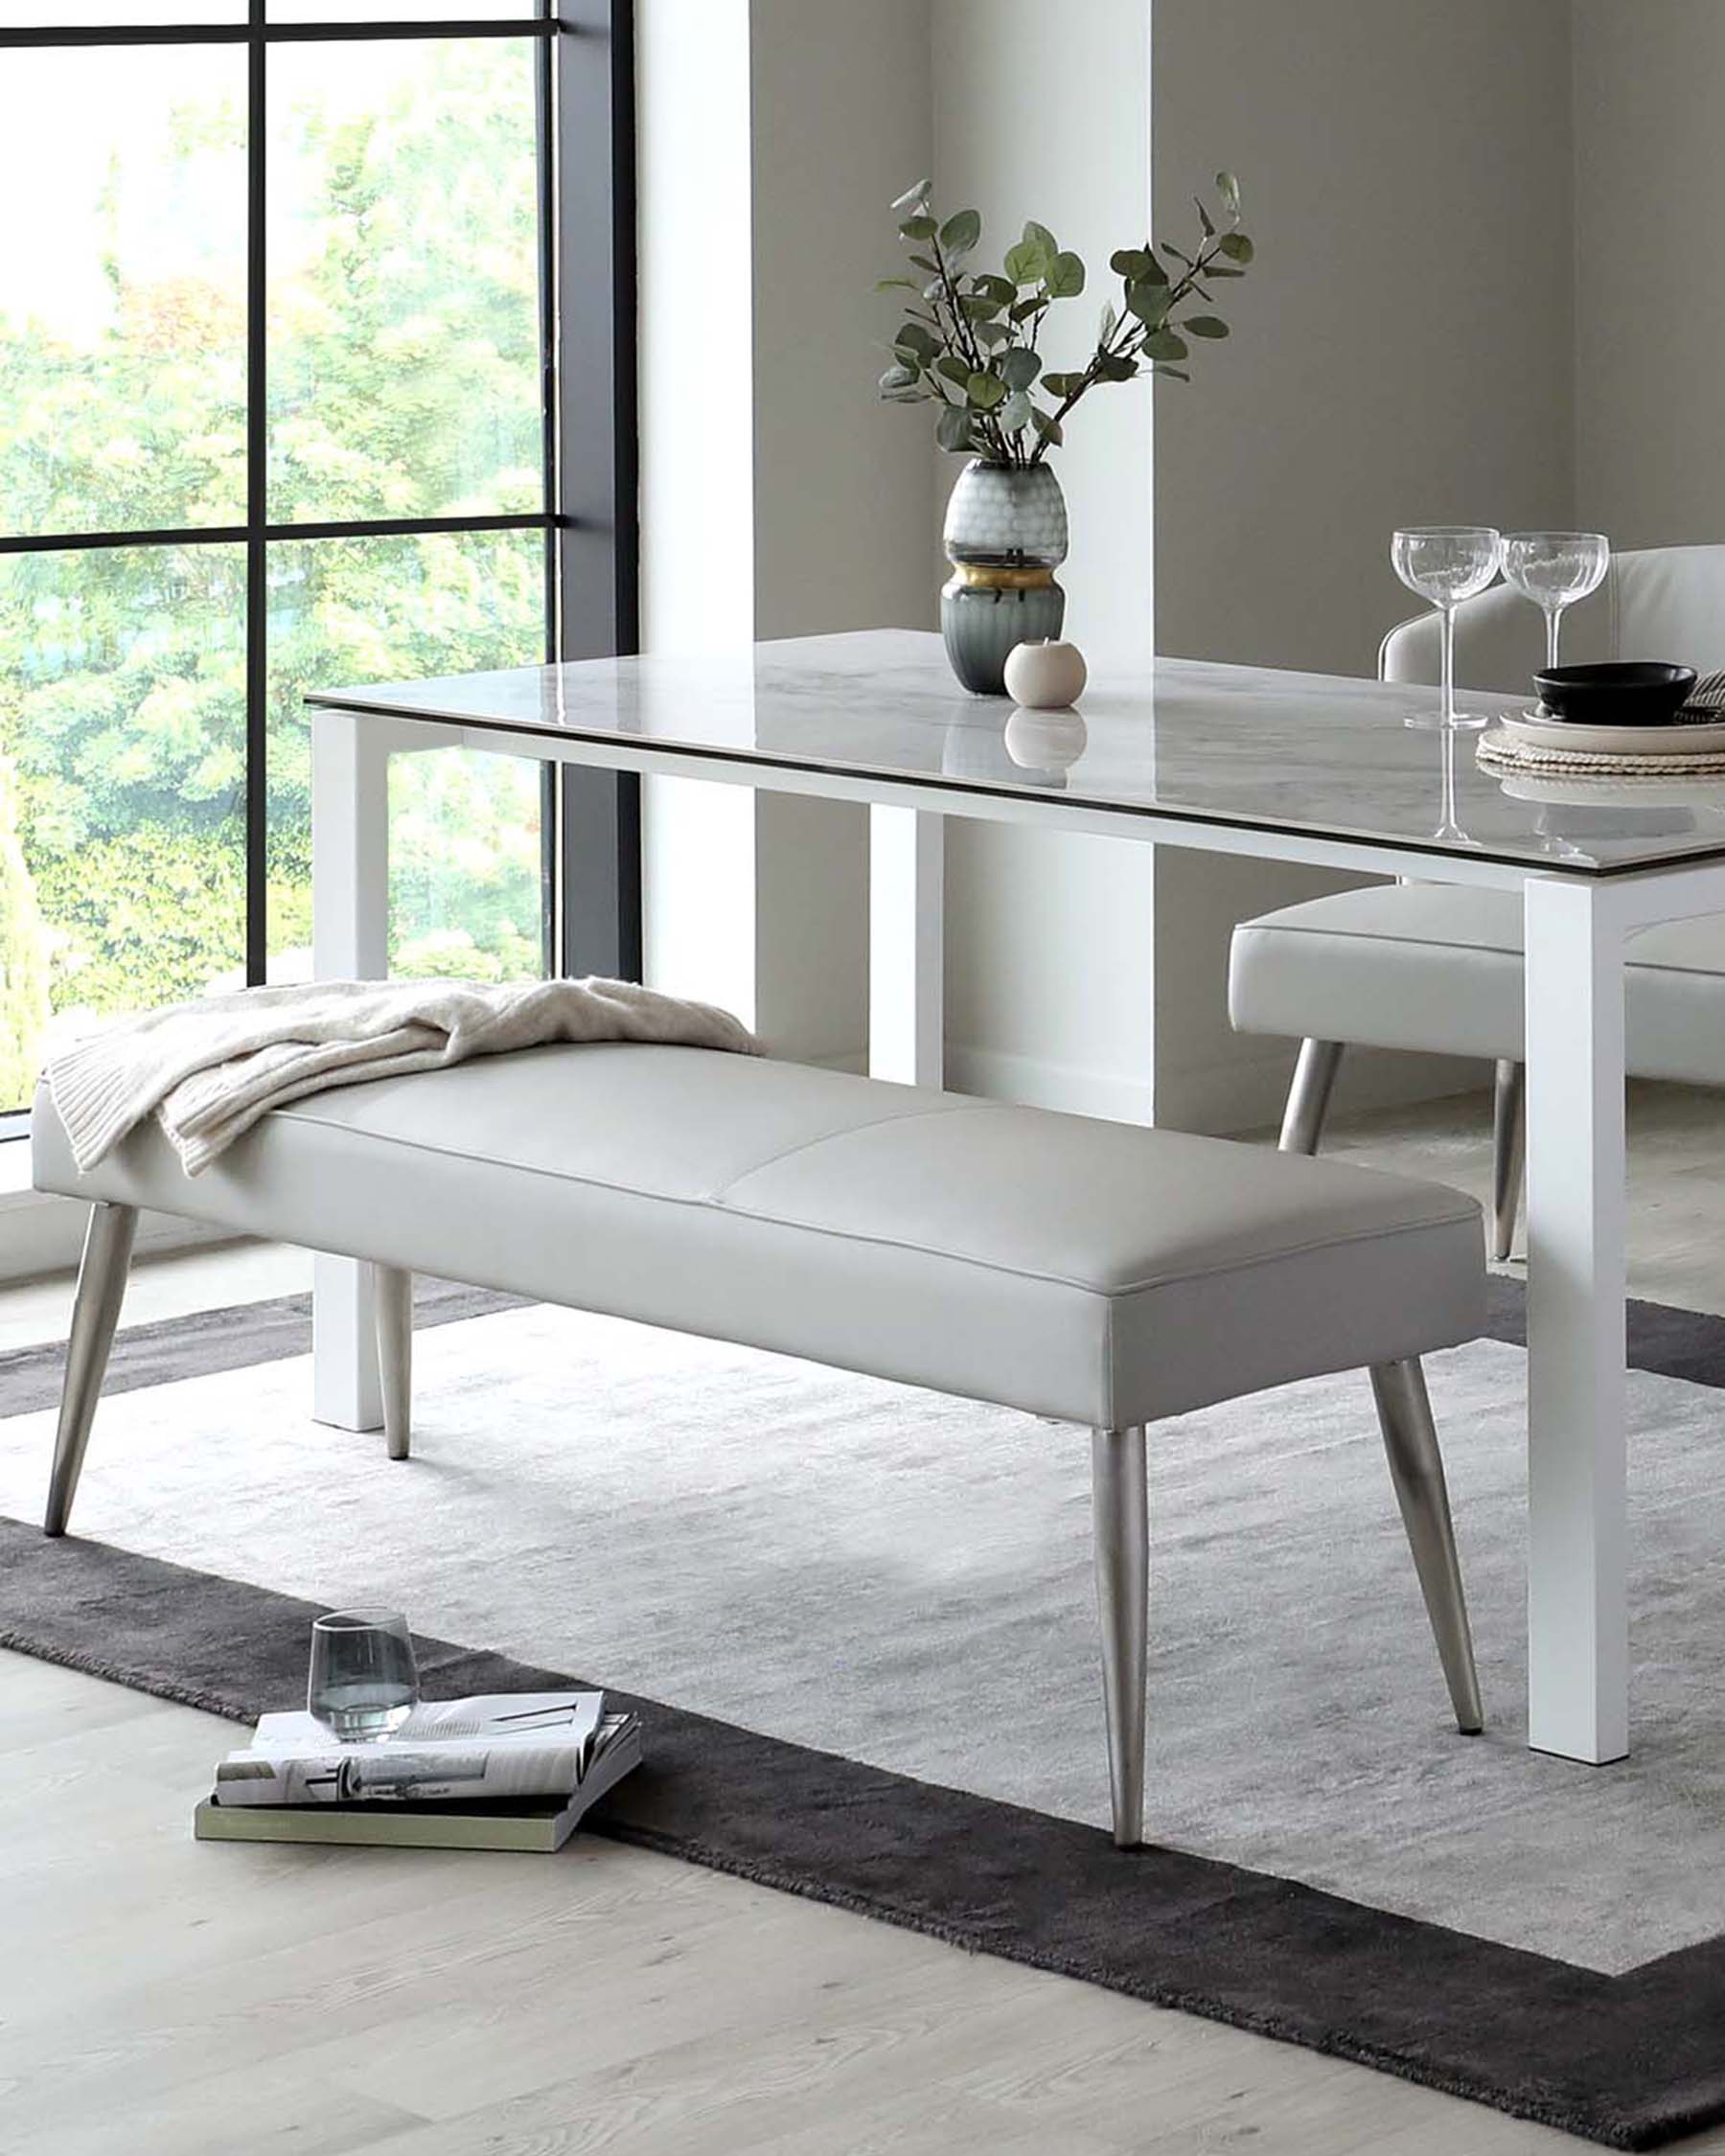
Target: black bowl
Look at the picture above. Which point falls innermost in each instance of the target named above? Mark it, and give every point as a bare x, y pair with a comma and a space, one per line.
1625, 693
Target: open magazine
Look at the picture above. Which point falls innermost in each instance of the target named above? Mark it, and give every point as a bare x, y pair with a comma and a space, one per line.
460, 1751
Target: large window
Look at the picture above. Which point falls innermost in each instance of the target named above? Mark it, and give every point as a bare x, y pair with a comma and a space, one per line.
290, 294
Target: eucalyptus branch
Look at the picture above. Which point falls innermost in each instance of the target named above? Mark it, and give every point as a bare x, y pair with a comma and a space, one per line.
978, 353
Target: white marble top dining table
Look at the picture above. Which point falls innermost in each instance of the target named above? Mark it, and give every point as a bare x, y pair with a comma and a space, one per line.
1218, 758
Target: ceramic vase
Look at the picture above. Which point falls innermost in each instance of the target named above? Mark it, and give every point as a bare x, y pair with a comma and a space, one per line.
1005, 536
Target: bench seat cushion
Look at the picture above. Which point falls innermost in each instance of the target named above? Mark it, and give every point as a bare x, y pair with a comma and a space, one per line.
1438, 967
1095, 1271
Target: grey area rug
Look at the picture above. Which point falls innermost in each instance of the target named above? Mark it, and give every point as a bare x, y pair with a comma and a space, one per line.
844, 1586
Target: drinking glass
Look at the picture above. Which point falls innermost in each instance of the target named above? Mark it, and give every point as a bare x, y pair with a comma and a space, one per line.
1447, 563
362, 1681
1554, 569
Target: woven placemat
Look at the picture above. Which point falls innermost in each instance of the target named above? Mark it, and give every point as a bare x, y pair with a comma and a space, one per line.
1497, 751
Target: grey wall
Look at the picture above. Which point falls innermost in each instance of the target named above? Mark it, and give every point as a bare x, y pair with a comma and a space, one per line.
1403, 347
1650, 233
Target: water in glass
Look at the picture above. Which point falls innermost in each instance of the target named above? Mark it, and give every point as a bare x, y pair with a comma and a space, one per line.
1447, 563
362, 1681
1554, 569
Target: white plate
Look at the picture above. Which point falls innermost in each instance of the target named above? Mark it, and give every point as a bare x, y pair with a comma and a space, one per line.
1537, 729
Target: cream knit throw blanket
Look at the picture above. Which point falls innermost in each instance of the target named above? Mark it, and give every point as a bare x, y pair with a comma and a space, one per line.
208, 1071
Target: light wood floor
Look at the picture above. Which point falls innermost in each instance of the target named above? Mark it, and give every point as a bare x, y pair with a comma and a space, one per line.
158, 1996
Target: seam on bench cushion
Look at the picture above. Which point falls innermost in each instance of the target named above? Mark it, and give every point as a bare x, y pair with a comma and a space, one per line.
951, 1103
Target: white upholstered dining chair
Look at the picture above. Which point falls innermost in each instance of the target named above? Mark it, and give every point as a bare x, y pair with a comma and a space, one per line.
1439, 968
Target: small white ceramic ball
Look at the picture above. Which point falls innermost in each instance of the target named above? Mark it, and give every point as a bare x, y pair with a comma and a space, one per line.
1045, 675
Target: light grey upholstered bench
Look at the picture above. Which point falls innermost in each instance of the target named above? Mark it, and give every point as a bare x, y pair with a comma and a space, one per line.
1093, 1272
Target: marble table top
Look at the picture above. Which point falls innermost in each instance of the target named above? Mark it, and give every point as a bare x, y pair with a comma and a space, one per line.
1328, 756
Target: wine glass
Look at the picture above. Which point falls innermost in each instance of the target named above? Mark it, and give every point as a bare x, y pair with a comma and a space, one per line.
363, 1683
1447, 563
1554, 569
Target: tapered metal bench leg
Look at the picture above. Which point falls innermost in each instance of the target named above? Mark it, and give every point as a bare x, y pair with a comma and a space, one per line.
94, 1314
1121, 1504
1416, 1470
1309, 1095
395, 1355
1508, 1153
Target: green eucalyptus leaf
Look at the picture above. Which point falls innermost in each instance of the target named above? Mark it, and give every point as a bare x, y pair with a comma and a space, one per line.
1024, 264
1018, 368
1174, 373
1148, 301
1165, 344
912, 199
934, 288
1066, 275
914, 338
1048, 425
954, 367
1229, 189
991, 333
886, 283
1000, 289
960, 232
919, 227
1025, 307
925, 262
1131, 262
1220, 270
1114, 366
1040, 235
1237, 246
1205, 218
1015, 412
979, 307
987, 391
953, 429
1110, 321
1205, 326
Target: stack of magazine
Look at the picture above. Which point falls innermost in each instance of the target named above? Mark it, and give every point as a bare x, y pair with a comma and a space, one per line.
504, 1771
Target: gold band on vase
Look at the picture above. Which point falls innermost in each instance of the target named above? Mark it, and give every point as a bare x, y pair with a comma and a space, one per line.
998, 576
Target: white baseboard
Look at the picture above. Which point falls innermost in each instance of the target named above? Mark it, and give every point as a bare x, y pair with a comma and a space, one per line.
41, 1233
1245, 1092
1039, 1082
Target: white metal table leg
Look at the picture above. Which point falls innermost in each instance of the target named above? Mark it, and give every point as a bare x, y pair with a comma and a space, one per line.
1578, 1611
906, 944
350, 935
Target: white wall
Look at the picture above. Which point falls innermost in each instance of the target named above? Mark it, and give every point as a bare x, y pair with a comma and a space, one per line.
777, 498
1050, 939
1650, 254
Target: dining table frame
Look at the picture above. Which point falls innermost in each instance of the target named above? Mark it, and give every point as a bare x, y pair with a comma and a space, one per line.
1577, 923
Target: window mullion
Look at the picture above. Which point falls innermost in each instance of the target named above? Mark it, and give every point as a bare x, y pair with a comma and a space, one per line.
256, 506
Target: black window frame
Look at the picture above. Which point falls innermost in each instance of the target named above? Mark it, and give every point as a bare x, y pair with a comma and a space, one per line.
584, 98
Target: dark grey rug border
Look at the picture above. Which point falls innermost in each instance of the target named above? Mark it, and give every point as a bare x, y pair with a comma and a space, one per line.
1631, 2061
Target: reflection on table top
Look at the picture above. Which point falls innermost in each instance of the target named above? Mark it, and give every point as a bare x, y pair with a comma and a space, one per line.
1328, 756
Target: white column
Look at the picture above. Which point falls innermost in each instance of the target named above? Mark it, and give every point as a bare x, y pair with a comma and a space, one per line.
906, 944
350, 935
1577, 1609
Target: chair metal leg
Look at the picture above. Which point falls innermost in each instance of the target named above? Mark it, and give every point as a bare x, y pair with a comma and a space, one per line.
1508, 1153
1309, 1095
1123, 1532
395, 1355
1416, 1470
94, 1314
